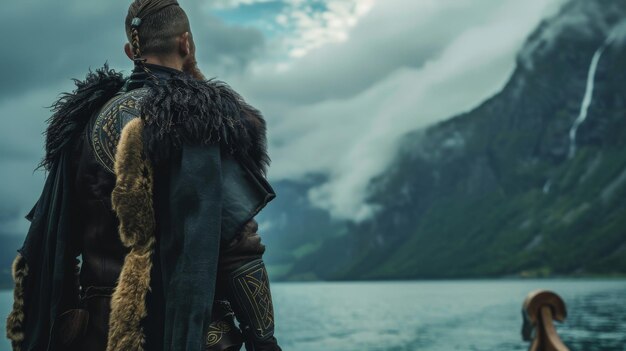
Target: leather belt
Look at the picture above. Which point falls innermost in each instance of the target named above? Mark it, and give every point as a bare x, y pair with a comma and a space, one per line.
97, 291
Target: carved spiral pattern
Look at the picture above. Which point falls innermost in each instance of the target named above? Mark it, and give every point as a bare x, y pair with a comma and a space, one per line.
216, 331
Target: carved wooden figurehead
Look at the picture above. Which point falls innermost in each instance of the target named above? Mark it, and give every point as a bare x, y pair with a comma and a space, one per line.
540, 309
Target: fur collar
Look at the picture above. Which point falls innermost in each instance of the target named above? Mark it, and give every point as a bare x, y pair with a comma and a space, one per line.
72, 111
177, 109
183, 109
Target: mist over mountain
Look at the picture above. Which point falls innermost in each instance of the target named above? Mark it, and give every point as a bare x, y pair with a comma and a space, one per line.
530, 183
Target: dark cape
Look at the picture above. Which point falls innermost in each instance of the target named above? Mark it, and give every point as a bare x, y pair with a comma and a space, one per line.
42, 270
190, 172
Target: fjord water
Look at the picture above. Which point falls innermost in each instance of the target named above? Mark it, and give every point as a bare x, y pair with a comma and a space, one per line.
436, 316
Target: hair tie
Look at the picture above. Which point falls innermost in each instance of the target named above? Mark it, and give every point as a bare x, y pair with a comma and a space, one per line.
136, 22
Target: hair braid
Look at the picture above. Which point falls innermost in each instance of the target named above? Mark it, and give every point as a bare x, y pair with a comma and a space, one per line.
138, 11
134, 33
134, 41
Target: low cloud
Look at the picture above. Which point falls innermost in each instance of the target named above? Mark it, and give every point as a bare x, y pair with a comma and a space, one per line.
46, 43
229, 4
226, 48
21, 149
341, 109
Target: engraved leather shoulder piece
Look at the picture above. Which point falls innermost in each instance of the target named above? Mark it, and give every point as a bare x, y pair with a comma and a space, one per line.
107, 126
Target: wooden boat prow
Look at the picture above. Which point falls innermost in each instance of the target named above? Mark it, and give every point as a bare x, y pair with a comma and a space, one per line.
541, 308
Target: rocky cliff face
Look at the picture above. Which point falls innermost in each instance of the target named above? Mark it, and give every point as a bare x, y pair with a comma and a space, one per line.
532, 182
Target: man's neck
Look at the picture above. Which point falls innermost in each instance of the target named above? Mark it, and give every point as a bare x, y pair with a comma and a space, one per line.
170, 62
142, 73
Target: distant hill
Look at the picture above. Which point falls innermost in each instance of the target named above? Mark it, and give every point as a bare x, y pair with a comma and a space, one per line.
530, 183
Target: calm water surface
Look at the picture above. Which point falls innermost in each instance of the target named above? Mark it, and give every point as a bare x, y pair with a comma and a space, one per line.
454, 315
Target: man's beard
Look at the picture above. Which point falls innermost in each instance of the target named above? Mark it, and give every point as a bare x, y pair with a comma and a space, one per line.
191, 67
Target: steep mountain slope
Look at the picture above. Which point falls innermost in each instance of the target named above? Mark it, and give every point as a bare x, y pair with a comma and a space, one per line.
293, 229
532, 182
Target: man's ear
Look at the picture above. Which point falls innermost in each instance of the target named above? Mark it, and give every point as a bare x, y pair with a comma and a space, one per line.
185, 44
128, 49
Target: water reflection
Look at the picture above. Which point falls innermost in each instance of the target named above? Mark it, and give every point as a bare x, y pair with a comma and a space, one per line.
597, 322
468, 315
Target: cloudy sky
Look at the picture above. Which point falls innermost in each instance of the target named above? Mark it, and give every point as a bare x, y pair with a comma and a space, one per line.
338, 80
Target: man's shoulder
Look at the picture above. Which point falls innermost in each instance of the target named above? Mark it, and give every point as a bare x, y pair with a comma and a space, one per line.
182, 100
106, 126
72, 111
183, 110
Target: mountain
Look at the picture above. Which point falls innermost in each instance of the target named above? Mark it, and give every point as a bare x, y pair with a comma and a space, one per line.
293, 230
530, 183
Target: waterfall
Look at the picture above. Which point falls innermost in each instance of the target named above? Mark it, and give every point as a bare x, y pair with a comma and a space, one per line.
547, 186
584, 108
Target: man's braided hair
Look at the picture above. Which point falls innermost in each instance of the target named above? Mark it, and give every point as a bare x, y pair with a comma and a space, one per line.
160, 23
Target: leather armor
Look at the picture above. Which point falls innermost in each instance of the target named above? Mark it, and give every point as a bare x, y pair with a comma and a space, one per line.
106, 129
253, 300
103, 252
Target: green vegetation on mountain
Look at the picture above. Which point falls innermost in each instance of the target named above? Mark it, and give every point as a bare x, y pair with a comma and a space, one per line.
494, 192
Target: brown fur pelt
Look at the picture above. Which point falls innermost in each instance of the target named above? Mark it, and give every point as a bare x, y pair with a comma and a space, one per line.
128, 306
132, 202
132, 196
15, 321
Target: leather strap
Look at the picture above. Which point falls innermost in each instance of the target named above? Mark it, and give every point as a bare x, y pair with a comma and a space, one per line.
97, 291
